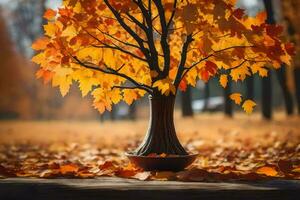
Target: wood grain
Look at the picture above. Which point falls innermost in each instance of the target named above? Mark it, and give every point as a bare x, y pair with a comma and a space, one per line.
117, 189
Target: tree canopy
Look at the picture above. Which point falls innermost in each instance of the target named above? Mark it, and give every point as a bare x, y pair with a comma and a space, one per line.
123, 49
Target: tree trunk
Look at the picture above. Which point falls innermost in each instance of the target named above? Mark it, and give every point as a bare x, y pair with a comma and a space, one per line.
288, 98
186, 103
266, 101
228, 103
112, 113
266, 81
206, 96
297, 84
161, 135
132, 111
250, 87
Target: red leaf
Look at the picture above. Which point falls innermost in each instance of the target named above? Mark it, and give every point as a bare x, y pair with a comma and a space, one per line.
205, 76
257, 29
239, 13
183, 86
274, 30
285, 166
50, 14
211, 67
290, 49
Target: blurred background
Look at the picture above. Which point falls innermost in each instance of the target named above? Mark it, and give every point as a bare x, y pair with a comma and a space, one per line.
25, 98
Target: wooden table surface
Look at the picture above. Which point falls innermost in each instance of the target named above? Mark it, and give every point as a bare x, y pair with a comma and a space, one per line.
123, 189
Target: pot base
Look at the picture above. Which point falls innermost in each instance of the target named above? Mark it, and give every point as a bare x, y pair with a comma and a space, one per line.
172, 163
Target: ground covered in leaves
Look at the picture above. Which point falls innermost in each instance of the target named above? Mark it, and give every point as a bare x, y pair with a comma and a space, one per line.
243, 148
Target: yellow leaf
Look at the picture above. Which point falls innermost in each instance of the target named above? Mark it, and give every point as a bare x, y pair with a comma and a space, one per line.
39, 58
64, 83
240, 73
89, 52
70, 31
286, 59
50, 29
223, 80
269, 171
101, 100
77, 7
100, 106
108, 57
248, 106
191, 77
86, 84
165, 86
63, 79
259, 68
115, 96
236, 97
129, 96
263, 72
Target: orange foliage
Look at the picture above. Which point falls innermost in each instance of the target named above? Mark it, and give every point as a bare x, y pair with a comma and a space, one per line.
113, 47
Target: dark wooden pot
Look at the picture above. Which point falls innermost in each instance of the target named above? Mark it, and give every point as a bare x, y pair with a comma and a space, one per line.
174, 163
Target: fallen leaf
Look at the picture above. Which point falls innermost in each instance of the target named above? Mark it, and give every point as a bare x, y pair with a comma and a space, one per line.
268, 171
69, 168
248, 106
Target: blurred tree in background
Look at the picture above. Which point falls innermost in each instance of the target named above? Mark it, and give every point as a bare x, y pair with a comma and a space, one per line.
23, 97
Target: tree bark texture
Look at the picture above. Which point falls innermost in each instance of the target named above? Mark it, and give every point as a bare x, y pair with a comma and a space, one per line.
297, 84
250, 87
186, 103
228, 103
287, 95
161, 135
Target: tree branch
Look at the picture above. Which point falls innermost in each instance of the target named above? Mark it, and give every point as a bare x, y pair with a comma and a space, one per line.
106, 46
210, 55
173, 14
218, 51
125, 87
118, 40
164, 38
147, 14
114, 72
181, 67
137, 38
137, 22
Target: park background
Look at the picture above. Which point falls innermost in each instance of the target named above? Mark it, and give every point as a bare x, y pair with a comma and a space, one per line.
40, 129
23, 97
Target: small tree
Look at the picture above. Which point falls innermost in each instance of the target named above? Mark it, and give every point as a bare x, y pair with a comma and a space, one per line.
123, 49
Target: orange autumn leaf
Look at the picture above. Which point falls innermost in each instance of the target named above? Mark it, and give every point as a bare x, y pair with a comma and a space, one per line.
88, 158
125, 173
248, 106
50, 14
40, 44
296, 170
236, 97
45, 74
223, 80
108, 51
68, 168
268, 171
142, 176
107, 165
